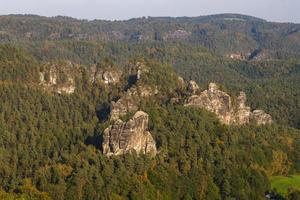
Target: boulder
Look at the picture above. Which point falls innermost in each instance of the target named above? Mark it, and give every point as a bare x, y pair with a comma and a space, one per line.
127, 137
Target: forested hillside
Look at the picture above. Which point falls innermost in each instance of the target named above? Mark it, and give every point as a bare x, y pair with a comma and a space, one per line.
61, 78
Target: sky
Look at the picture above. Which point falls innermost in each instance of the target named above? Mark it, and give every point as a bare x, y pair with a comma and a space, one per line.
271, 10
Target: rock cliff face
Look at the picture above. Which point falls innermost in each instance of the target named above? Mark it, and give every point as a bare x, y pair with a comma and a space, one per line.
261, 117
220, 103
243, 112
178, 34
130, 101
193, 87
107, 75
55, 78
126, 137
215, 101
135, 71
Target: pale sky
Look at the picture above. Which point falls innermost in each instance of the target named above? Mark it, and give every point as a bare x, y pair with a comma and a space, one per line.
272, 10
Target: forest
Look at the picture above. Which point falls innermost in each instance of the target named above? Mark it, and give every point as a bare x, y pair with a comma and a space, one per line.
51, 144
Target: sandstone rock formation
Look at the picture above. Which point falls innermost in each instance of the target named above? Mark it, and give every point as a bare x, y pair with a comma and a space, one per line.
220, 103
177, 34
243, 112
135, 70
181, 81
126, 137
58, 79
130, 101
215, 101
193, 87
261, 117
107, 75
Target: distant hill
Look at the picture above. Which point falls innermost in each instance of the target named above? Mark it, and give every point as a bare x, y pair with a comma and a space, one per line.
225, 34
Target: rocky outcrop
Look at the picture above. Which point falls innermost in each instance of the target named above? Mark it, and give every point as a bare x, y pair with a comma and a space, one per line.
259, 55
58, 79
130, 101
243, 112
236, 56
127, 137
215, 101
135, 71
220, 103
106, 75
181, 81
193, 87
261, 118
177, 34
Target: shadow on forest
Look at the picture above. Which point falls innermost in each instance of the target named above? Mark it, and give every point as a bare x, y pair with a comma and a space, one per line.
95, 140
103, 112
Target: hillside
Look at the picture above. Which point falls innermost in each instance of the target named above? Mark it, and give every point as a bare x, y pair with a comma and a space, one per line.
149, 108
226, 34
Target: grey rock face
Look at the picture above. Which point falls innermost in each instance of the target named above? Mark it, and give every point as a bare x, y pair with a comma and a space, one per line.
126, 137
137, 69
215, 101
220, 103
130, 101
109, 75
261, 118
178, 34
243, 112
58, 79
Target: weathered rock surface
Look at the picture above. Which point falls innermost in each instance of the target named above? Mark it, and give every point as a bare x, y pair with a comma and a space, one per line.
215, 101
177, 34
58, 79
107, 75
127, 137
220, 103
130, 101
193, 87
243, 112
181, 81
261, 117
136, 69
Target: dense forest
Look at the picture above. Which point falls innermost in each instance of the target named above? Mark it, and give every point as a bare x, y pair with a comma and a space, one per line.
51, 144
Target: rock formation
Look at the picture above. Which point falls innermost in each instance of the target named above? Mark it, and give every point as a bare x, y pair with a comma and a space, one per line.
135, 71
215, 101
106, 75
193, 87
220, 103
177, 34
130, 101
260, 117
58, 79
126, 137
243, 112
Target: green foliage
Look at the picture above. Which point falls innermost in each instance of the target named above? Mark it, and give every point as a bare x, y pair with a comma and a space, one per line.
50, 144
283, 184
